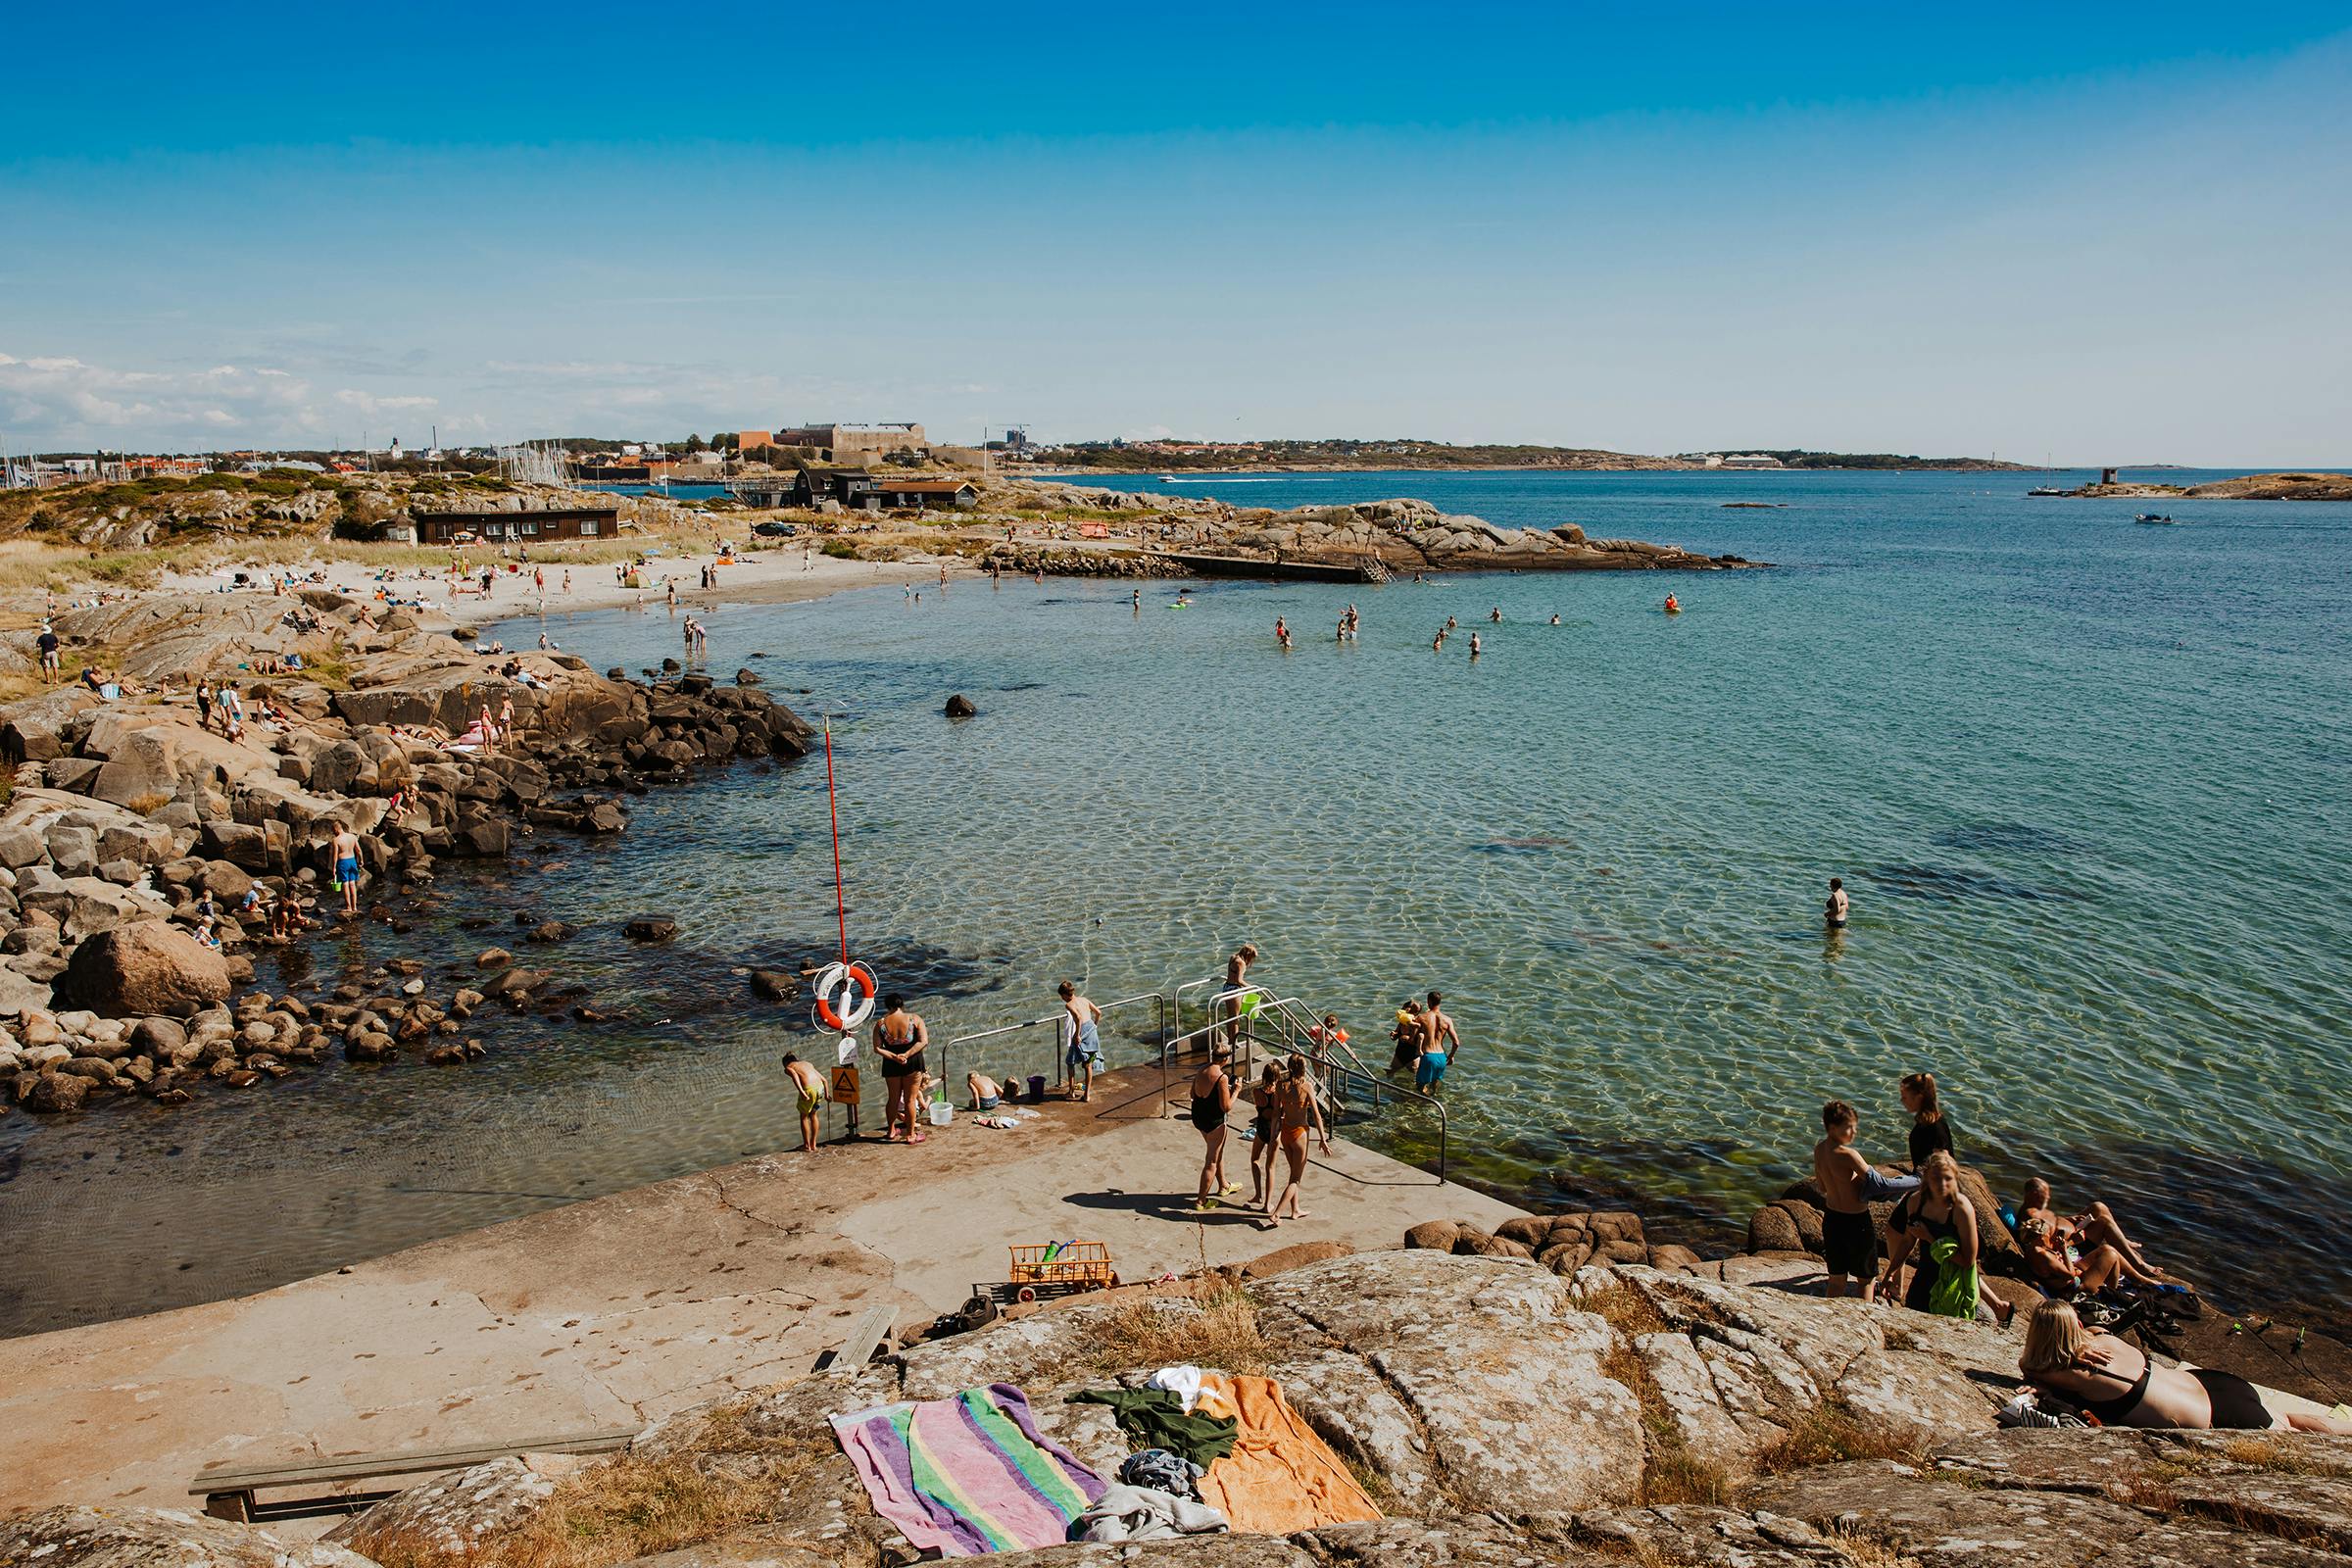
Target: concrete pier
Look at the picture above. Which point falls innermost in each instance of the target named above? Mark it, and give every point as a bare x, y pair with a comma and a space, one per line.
625, 1307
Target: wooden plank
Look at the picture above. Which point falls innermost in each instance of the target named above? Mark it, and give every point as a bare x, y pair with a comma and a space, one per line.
867, 1335
211, 1482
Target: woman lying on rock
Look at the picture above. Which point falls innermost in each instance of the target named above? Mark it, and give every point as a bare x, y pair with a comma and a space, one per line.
2114, 1381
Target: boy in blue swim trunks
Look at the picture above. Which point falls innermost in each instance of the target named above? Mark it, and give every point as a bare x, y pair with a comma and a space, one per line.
1438, 1041
1082, 1034
347, 867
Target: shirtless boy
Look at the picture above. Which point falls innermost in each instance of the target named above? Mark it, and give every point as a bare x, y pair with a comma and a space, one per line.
1850, 1243
1082, 1036
809, 1085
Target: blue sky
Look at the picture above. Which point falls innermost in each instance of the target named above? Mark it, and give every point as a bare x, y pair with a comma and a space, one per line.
2111, 235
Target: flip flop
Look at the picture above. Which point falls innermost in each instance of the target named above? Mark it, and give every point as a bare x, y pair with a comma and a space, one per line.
919, 1137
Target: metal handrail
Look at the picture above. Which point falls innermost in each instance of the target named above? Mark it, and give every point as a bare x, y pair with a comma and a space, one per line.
1334, 1071
946, 1051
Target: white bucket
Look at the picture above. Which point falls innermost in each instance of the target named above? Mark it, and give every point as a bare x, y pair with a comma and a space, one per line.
941, 1114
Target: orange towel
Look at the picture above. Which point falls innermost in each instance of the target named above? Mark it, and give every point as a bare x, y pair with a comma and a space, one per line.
1280, 1476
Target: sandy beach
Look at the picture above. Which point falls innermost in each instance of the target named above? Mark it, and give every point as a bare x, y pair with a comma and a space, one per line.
764, 577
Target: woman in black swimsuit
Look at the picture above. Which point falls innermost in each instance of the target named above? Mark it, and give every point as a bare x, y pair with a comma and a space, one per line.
1936, 1212
1212, 1100
1930, 1131
898, 1040
2116, 1382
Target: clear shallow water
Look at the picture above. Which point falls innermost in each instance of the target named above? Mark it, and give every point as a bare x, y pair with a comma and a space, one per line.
2086, 782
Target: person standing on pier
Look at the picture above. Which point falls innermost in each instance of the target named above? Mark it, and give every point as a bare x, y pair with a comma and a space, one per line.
1081, 1041
808, 1085
898, 1040
1297, 1110
1212, 1102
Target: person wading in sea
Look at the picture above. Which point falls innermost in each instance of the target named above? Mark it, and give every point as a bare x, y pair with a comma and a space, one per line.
1439, 1041
1237, 974
347, 867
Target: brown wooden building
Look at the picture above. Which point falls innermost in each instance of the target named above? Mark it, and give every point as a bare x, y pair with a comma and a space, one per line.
518, 527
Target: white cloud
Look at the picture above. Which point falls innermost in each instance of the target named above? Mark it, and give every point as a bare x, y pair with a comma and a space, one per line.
60, 403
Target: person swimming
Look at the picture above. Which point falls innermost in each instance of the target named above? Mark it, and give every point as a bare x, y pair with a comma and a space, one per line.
1673, 605
1555, 621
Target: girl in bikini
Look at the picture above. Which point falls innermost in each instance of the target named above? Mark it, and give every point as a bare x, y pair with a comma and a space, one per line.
1296, 1110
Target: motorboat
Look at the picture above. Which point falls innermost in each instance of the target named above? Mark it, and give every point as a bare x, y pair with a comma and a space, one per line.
2150, 516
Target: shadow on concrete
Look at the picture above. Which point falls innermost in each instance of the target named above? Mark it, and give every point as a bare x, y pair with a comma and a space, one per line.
1174, 1207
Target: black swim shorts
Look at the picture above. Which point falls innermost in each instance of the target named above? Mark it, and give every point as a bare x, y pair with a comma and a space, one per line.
1849, 1244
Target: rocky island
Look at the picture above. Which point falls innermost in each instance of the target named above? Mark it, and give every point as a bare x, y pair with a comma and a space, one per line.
2250, 487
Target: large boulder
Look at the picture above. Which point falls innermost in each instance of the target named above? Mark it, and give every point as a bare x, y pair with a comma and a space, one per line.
157, 1537
143, 772
146, 969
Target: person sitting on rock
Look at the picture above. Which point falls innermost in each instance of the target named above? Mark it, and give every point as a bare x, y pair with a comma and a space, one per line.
2116, 1382
2087, 1252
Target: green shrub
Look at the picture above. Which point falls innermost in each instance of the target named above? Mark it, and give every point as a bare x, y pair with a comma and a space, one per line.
838, 550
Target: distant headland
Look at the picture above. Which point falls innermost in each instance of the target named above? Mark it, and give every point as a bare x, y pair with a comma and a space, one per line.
1343, 454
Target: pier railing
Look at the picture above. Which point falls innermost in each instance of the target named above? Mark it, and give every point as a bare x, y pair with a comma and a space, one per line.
1277, 1025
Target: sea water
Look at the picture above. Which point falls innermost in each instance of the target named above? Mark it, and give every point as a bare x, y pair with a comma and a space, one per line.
2087, 783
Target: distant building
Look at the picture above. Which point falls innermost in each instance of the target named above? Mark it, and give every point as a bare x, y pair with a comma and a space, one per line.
834, 442
1748, 460
518, 527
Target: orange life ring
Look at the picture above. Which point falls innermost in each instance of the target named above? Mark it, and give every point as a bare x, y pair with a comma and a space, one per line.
853, 981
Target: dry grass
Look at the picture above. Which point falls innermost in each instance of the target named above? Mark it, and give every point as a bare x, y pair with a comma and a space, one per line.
1670, 1472
1832, 1434
629, 1506
1864, 1552
2280, 1459
1223, 1333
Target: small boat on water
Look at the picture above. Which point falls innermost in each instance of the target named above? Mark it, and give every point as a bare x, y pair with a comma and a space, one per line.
2045, 490
1168, 478
2150, 516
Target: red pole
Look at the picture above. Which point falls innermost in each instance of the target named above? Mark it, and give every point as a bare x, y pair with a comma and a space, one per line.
833, 802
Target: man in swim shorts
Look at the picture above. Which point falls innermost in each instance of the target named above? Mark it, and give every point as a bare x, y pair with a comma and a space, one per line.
1438, 1041
809, 1085
347, 867
1082, 1039
1834, 911
986, 1093
1850, 1242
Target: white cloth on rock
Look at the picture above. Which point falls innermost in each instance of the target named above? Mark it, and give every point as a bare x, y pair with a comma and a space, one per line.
1142, 1513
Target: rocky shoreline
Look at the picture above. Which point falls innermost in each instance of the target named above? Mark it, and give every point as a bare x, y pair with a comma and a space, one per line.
1497, 1414
1369, 538
133, 829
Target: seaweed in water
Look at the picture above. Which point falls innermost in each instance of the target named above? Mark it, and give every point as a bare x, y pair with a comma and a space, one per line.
1997, 838
1950, 885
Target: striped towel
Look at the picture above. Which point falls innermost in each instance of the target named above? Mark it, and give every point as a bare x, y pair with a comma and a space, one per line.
968, 1475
